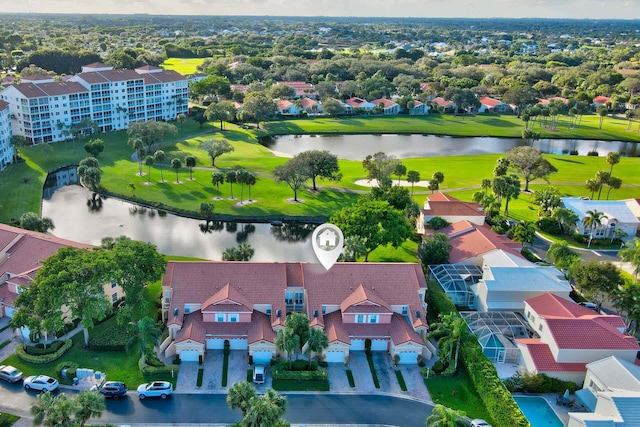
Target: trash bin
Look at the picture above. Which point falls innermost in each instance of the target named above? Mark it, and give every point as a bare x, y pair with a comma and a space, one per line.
75, 381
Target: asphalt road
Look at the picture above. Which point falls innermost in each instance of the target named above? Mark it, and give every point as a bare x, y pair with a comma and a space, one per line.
304, 408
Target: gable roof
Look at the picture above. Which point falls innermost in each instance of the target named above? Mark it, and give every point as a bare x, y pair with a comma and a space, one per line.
363, 296
441, 102
469, 240
549, 305
439, 204
490, 102
226, 296
40, 90
614, 209
384, 101
616, 374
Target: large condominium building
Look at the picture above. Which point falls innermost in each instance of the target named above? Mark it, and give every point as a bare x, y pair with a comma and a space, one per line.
7, 151
43, 110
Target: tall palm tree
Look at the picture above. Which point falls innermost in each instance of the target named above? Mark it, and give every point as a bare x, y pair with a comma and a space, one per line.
593, 220
89, 404
181, 118
631, 254
139, 146
592, 185
317, 342
231, 178
288, 341
176, 164
613, 158
562, 255
413, 177
566, 219
250, 180
602, 177
148, 162
146, 334
190, 162
524, 232
441, 416
159, 157
240, 395
217, 178
452, 329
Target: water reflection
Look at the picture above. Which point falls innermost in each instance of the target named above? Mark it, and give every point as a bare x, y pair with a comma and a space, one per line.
172, 234
357, 147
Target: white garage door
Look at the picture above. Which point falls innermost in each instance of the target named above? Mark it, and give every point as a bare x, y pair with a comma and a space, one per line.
357, 345
215, 344
261, 356
408, 357
8, 311
334, 356
238, 344
379, 345
189, 355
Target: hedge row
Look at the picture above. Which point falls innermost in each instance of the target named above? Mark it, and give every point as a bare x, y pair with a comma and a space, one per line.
495, 396
539, 383
43, 359
40, 349
110, 339
157, 370
279, 372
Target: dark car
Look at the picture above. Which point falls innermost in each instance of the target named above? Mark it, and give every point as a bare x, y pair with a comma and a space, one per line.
114, 389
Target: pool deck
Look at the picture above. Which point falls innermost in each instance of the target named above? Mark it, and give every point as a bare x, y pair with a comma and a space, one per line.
561, 411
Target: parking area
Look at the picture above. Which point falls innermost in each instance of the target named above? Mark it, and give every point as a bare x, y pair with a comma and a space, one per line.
212, 378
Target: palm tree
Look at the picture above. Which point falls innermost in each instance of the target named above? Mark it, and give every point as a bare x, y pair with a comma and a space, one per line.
176, 164
614, 183
138, 145
288, 341
159, 157
53, 410
146, 334
250, 180
413, 177
602, 177
631, 254
148, 162
231, 178
629, 115
190, 161
593, 220
602, 112
441, 416
592, 185
241, 177
265, 410
181, 118
317, 342
452, 329
562, 255
217, 178
566, 219
89, 404
132, 188
524, 232
240, 395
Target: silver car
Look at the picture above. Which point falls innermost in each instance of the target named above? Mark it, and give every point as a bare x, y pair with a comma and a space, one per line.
155, 389
10, 374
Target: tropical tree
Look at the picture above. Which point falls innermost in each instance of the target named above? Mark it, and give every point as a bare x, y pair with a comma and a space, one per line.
613, 158
593, 221
160, 157
562, 255
31, 221
379, 166
400, 170
190, 162
88, 404
132, 188
217, 178
53, 410
506, 188
146, 334
242, 175
631, 254
524, 232
287, 341
321, 164
441, 416
451, 330
148, 162
176, 164
244, 252
592, 185
375, 222
266, 411
294, 173
138, 146
597, 280
250, 180
530, 164
566, 219
602, 112
258, 106
317, 342
221, 111
92, 177
216, 148
181, 118
231, 178
332, 107
150, 132
413, 177
94, 147
434, 249
240, 395
602, 177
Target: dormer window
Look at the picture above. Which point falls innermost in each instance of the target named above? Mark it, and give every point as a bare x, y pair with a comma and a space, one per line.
373, 318
269, 309
405, 310
220, 317
187, 309
233, 318
359, 318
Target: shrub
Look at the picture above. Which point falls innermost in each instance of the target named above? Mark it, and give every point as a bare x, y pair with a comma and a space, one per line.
437, 223
573, 152
400, 378
40, 349
302, 365
352, 383
538, 383
439, 366
279, 372
322, 363
549, 225
577, 237
592, 153
114, 338
176, 360
68, 327
160, 370
372, 368
530, 255
71, 368
200, 376
45, 358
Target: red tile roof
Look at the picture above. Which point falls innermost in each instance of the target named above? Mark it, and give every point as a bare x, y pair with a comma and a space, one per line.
384, 101
193, 329
490, 102
543, 358
601, 99
96, 65
469, 240
442, 102
355, 101
308, 102
550, 305
227, 296
334, 330
362, 296
440, 204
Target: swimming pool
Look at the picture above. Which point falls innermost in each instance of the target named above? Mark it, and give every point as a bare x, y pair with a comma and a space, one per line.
538, 412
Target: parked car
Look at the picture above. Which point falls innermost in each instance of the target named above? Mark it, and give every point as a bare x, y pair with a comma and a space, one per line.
40, 383
155, 389
10, 374
114, 389
258, 374
479, 423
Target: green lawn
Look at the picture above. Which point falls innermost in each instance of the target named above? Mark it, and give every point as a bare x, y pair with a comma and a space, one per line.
458, 393
182, 65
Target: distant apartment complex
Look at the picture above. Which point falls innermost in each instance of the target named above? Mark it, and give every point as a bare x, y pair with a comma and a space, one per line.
43, 110
7, 151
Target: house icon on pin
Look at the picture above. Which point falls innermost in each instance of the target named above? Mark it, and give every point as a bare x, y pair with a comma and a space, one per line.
328, 240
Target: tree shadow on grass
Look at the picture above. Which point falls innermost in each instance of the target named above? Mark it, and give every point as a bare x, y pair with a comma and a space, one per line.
568, 161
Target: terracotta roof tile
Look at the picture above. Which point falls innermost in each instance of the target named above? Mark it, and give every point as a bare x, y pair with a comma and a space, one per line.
550, 305
224, 300
260, 329
193, 329
490, 102
543, 358
363, 296
333, 328
384, 101
589, 333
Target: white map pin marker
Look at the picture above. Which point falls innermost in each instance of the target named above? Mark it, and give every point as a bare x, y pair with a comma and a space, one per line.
327, 241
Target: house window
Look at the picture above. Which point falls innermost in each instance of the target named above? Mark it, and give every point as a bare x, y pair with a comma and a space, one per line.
269, 309
187, 309
299, 297
114, 297
373, 318
405, 310
324, 309
220, 318
233, 318
113, 285
288, 297
359, 318
540, 327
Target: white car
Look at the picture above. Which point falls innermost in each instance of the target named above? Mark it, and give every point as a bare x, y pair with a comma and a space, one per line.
479, 423
155, 389
10, 374
40, 383
258, 374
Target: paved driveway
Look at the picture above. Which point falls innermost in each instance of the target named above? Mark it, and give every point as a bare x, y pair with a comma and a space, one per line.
386, 376
212, 378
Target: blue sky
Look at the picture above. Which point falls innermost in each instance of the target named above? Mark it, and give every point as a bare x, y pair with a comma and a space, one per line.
601, 9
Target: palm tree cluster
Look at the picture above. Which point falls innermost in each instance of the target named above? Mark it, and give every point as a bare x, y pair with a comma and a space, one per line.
257, 410
62, 410
236, 175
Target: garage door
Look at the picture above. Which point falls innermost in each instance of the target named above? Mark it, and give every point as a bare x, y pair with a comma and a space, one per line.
408, 357
215, 344
261, 356
357, 345
238, 344
379, 345
189, 355
334, 356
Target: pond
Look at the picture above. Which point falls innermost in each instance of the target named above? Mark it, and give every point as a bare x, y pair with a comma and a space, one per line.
77, 218
357, 147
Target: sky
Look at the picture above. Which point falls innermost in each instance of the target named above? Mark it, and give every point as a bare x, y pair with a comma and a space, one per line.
578, 9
